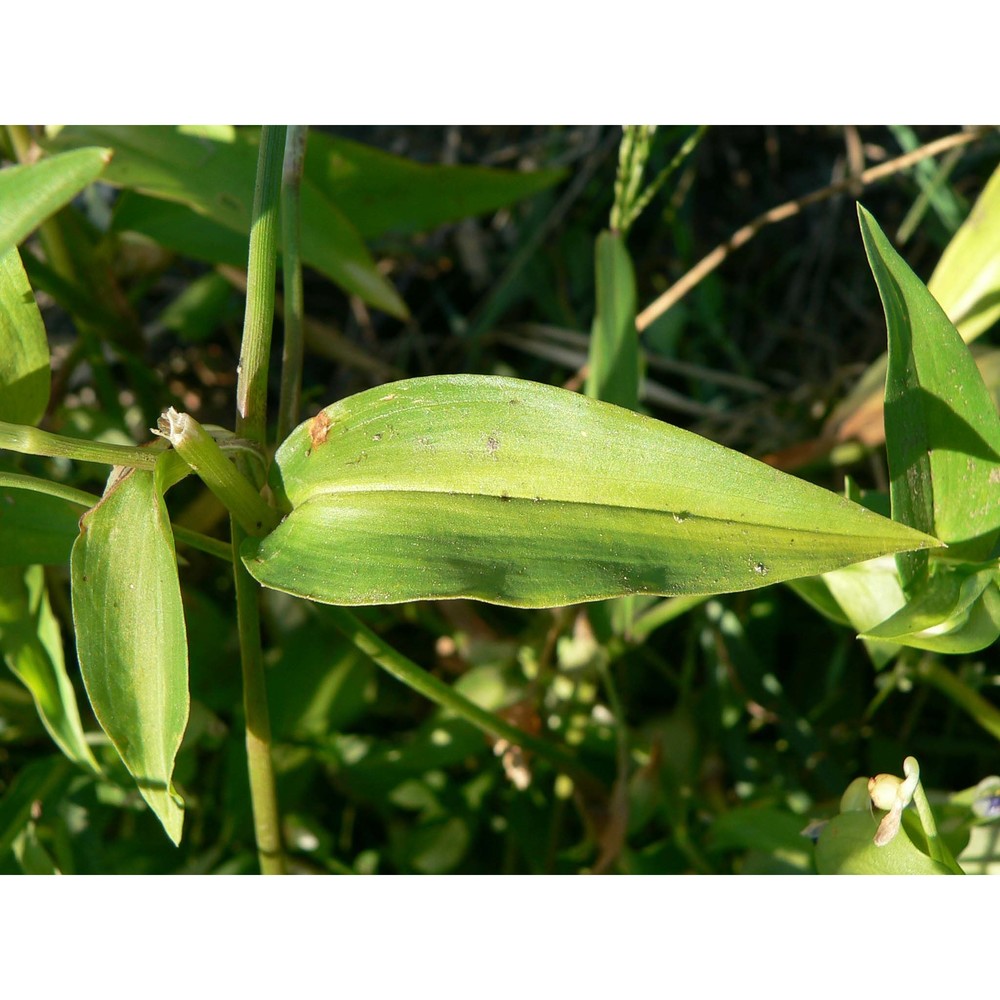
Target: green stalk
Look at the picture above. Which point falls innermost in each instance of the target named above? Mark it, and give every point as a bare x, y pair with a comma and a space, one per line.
936, 847
251, 423
32, 441
251, 388
18, 481
981, 711
419, 680
263, 794
291, 355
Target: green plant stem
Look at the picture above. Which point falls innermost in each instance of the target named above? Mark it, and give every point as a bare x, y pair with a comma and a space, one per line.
419, 680
18, 481
251, 423
251, 388
32, 441
291, 270
935, 846
982, 712
263, 794
203, 543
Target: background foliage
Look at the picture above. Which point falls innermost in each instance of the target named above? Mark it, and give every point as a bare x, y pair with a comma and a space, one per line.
717, 729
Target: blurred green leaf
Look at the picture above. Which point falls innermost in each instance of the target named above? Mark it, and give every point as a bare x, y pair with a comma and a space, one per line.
381, 193
613, 368
202, 308
212, 174
522, 494
761, 828
36, 528
966, 281
318, 685
24, 349
31, 854
39, 781
29, 194
179, 228
942, 428
130, 634
32, 647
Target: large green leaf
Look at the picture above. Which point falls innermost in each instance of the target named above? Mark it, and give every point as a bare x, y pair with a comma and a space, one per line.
942, 428
30, 194
210, 172
523, 494
130, 633
966, 281
24, 349
31, 644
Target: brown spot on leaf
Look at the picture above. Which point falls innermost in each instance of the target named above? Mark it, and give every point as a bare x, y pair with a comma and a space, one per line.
319, 427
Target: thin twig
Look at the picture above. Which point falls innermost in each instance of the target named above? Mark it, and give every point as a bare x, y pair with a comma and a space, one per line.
708, 264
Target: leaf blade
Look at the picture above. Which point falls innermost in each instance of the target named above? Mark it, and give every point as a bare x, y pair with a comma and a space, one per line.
25, 379
32, 648
131, 638
491, 487
29, 194
211, 172
942, 428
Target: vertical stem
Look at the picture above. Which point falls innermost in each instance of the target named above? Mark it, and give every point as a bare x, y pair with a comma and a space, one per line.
251, 388
935, 846
291, 357
251, 423
263, 795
